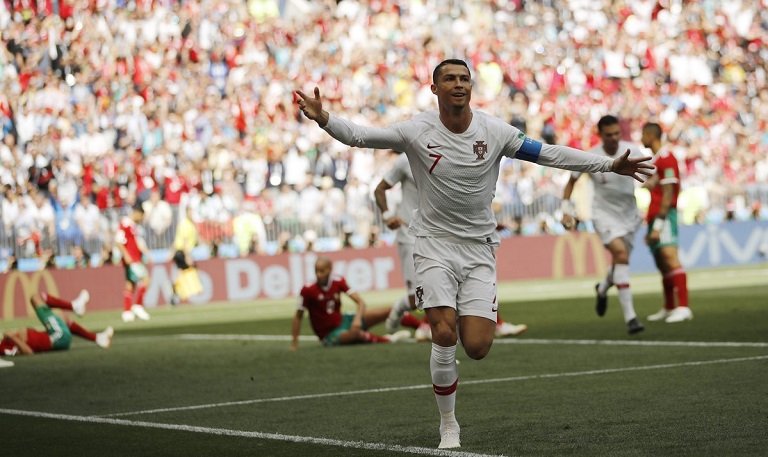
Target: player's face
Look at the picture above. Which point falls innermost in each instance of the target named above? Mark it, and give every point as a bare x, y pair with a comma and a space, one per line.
610, 136
453, 86
322, 272
647, 138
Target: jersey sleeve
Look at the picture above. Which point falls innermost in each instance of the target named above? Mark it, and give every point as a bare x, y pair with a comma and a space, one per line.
343, 286
360, 136
556, 156
666, 171
301, 303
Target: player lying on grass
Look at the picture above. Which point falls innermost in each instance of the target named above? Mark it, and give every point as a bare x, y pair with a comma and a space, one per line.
58, 331
322, 300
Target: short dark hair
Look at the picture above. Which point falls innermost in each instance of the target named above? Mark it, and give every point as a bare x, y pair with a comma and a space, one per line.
436, 71
653, 128
605, 121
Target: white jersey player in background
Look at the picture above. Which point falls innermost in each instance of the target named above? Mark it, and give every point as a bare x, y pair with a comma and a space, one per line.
454, 154
399, 219
615, 216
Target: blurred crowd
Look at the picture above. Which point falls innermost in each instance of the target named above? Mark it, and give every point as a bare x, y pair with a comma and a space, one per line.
173, 104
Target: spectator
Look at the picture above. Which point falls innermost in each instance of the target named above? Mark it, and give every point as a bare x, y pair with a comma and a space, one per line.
158, 216
249, 231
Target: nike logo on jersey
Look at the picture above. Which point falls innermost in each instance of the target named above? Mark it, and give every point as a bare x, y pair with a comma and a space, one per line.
494, 309
430, 146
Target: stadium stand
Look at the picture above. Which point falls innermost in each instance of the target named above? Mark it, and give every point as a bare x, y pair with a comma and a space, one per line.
106, 103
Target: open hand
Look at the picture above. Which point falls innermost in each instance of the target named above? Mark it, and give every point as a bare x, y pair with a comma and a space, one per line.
312, 107
636, 167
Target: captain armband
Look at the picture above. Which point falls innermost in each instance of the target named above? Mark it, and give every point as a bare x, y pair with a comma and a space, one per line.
529, 150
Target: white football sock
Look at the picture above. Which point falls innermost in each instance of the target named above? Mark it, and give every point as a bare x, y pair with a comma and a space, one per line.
445, 376
621, 278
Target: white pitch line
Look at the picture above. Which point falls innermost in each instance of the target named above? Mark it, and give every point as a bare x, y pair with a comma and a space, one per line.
426, 386
246, 434
708, 344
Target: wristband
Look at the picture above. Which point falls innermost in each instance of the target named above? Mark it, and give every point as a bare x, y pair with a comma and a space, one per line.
567, 207
388, 214
658, 224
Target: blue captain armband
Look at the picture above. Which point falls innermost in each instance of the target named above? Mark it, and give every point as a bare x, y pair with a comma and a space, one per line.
529, 151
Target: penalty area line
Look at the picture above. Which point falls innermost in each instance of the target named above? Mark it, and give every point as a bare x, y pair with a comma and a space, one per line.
427, 386
248, 434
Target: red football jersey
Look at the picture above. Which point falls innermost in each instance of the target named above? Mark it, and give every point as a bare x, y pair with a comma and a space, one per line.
669, 173
126, 236
324, 305
36, 340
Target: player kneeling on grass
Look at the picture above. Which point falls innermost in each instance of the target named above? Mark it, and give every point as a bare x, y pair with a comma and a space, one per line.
322, 300
58, 331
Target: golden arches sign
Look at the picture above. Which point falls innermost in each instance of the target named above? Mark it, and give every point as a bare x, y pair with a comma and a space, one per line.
577, 245
30, 285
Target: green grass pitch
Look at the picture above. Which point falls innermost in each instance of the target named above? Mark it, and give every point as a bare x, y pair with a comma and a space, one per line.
197, 381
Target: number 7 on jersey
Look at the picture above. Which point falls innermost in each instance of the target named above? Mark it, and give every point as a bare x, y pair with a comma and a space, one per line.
437, 158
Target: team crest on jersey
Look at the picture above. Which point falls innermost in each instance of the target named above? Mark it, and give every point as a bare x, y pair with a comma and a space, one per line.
480, 149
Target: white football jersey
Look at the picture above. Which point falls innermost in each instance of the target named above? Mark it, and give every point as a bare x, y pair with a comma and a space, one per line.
613, 199
401, 173
456, 173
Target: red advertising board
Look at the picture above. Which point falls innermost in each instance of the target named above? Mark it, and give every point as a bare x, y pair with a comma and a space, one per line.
282, 276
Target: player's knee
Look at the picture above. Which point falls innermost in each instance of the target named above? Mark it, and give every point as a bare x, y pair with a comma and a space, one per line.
443, 334
477, 352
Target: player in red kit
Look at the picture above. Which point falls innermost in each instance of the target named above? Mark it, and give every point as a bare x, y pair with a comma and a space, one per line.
662, 237
132, 250
322, 300
58, 331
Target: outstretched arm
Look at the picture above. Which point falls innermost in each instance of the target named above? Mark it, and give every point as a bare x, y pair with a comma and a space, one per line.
552, 155
638, 168
348, 132
312, 107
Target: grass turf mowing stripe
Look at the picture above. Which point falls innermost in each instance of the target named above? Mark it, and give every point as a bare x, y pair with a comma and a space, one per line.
429, 386
707, 344
248, 434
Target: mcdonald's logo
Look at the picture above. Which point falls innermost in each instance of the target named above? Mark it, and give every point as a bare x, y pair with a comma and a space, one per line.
576, 245
30, 285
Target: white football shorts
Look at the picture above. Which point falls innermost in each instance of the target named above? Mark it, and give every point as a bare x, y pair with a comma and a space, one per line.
458, 274
405, 251
610, 229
